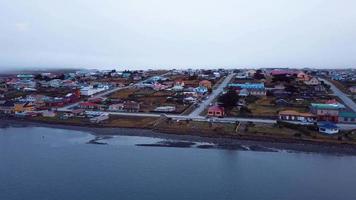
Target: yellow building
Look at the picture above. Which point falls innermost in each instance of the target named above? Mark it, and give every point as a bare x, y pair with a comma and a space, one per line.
24, 107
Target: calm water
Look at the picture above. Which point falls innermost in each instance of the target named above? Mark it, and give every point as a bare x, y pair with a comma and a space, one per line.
45, 163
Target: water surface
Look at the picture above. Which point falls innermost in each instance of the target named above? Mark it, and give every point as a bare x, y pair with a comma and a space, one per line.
47, 163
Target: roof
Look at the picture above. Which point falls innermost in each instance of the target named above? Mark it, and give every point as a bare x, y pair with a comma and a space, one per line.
282, 72
295, 113
7, 104
327, 106
248, 85
327, 125
348, 114
87, 104
216, 108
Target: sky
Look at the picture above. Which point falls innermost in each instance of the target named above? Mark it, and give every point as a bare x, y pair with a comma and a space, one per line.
140, 34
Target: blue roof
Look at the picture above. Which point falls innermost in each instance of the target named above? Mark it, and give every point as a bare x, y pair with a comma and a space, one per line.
327, 125
248, 85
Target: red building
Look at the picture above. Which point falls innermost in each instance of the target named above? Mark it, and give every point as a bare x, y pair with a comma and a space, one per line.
216, 111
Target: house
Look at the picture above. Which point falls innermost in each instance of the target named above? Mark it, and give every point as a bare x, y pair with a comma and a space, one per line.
282, 72
178, 86
91, 90
48, 113
244, 93
254, 89
352, 89
327, 112
301, 76
328, 128
216, 111
205, 83
88, 105
250, 72
319, 88
312, 81
78, 112
7, 107
201, 90
347, 117
116, 107
189, 100
131, 106
292, 115
158, 86
281, 93
24, 107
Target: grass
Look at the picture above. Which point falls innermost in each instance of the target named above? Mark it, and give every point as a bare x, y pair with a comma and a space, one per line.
265, 107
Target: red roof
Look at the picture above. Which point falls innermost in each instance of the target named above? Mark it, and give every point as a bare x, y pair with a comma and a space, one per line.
87, 104
215, 108
331, 101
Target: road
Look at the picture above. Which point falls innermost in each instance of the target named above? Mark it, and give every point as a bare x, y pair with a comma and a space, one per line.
212, 96
347, 101
221, 120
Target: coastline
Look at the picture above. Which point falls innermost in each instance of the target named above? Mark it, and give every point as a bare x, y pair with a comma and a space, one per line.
219, 142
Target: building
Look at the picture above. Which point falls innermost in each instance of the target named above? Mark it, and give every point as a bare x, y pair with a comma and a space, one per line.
201, 90
216, 111
352, 89
327, 112
312, 81
301, 76
292, 115
49, 113
89, 91
131, 106
347, 117
205, 83
24, 107
328, 128
254, 89
116, 107
88, 105
7, 107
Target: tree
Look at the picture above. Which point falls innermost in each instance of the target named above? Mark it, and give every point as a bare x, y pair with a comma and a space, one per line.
229, 99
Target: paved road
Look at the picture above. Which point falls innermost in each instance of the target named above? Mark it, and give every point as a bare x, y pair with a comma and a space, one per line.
212, 96
351, 104
222, 120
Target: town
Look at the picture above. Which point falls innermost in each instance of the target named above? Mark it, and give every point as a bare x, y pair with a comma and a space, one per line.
307, 104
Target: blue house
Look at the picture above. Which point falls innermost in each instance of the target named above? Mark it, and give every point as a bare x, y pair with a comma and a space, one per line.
328, 128
201, 90
254, 89
248, 85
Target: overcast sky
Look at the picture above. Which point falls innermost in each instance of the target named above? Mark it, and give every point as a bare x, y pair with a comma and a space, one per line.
180, 33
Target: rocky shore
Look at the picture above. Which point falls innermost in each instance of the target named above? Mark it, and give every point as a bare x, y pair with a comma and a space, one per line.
210, 142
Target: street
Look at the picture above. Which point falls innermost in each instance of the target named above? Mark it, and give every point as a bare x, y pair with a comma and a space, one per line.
347, 101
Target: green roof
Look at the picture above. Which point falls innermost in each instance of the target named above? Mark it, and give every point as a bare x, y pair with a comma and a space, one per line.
348, 114
327, 106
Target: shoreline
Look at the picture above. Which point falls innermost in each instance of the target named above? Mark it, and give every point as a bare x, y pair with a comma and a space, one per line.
218, 142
